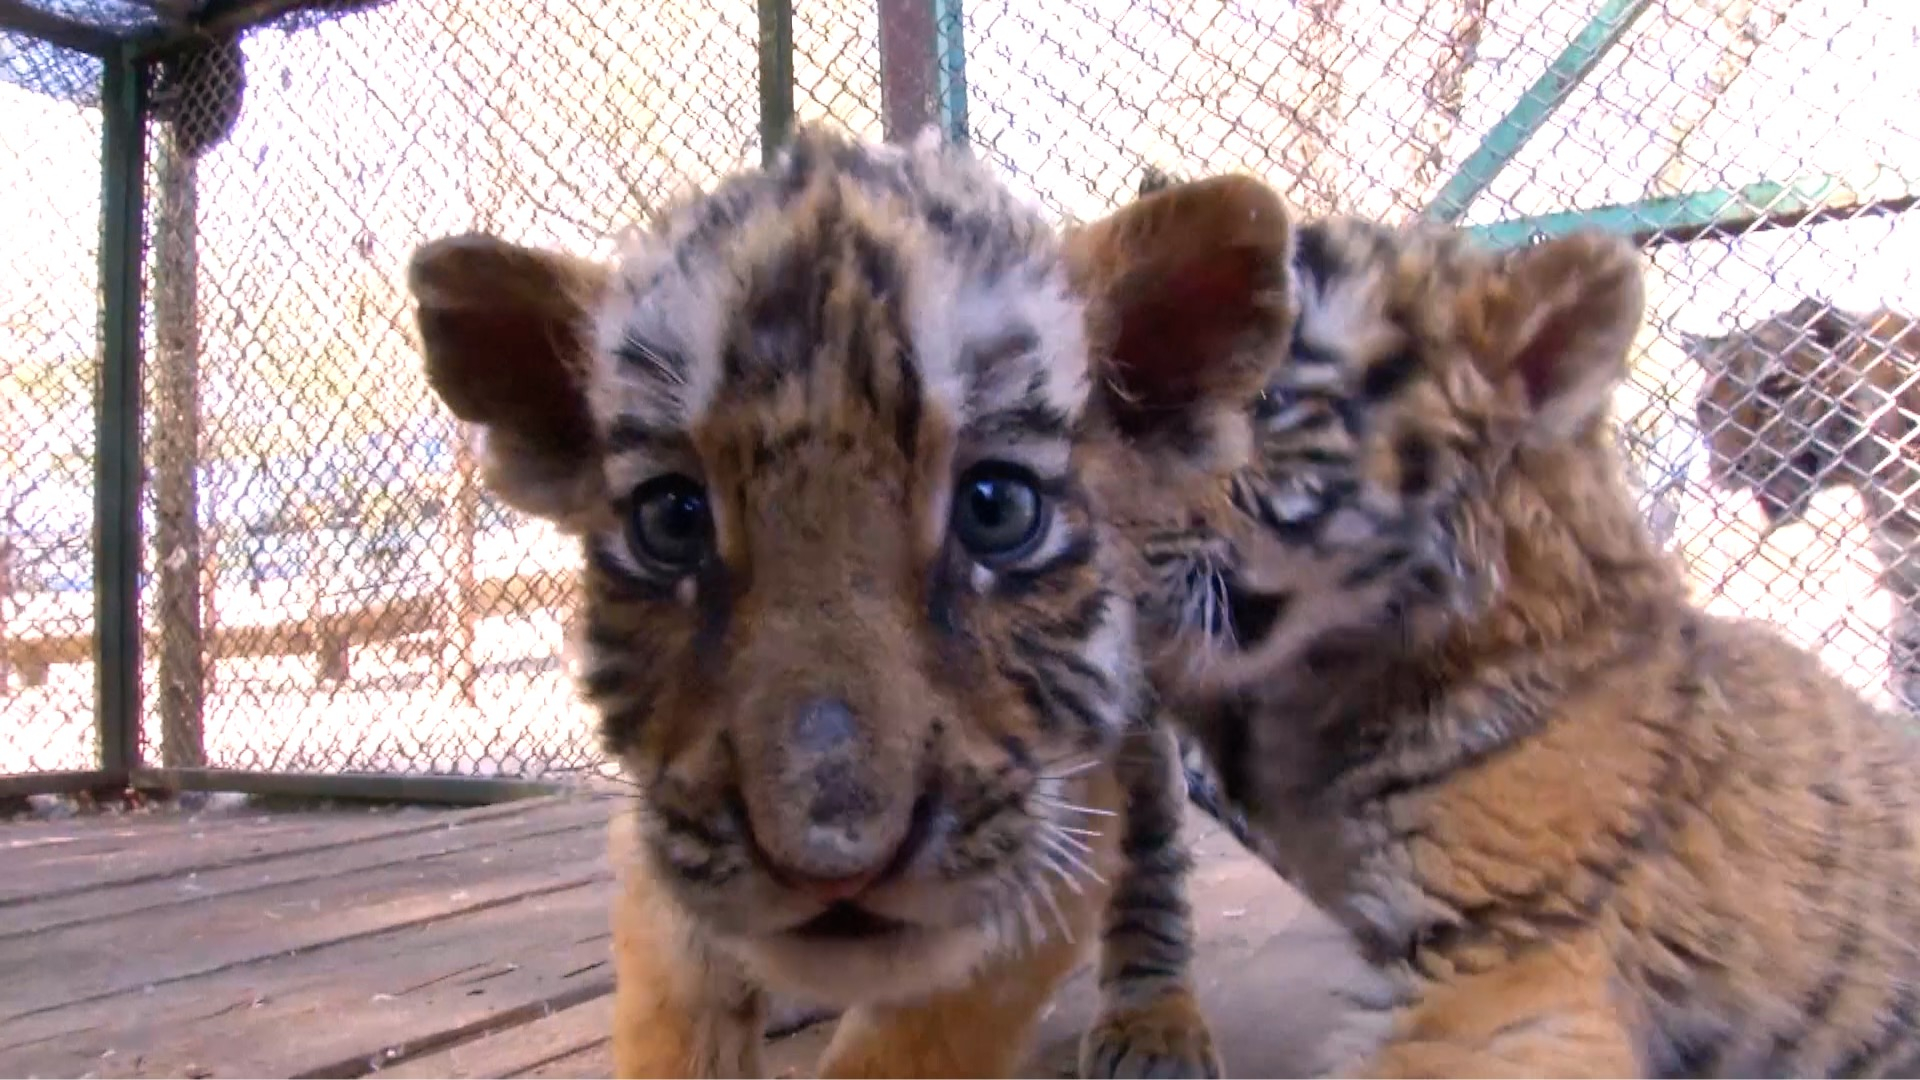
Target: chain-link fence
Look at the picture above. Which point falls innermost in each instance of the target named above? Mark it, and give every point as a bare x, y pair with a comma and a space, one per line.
325, 589
49, 348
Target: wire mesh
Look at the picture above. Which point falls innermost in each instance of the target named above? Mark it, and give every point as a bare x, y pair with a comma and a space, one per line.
1739, 114
328, 589
331, 588
49, 245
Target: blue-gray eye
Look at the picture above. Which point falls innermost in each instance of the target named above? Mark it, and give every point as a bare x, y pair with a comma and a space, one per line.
670, 522
998, 511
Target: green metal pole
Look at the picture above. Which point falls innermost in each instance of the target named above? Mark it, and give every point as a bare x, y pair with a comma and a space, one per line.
116, 526
1766, 204
1546, 95
776, 77
950, 58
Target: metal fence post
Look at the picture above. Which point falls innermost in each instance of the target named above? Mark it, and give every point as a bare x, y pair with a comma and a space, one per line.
950, 60
117, 531
923, 68
1508, 137
776, 76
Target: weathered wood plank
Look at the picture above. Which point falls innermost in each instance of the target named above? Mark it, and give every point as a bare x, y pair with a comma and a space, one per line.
142, 897
583, 1030
337, 1010
518, 1050
97, 960
47, 866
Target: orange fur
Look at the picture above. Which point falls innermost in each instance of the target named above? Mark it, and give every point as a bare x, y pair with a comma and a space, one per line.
881, 755
1401, 594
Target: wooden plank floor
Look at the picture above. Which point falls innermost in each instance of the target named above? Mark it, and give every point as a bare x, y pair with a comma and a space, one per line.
466, 943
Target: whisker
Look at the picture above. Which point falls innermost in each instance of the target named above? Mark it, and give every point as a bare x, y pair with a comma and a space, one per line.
1074, 770
1068, 858
1059, 835
1035, 932
1053, 905
1052, 865
1071, 808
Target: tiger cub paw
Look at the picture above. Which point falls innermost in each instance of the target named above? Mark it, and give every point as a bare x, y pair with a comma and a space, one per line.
1166, 1037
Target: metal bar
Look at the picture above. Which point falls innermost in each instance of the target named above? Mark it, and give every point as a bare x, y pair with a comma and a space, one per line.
22, 18
383, 787
67, 782
221, 20
909, 63
116, 526
1677, 219
1535, 106
173, 454
776, 77
950, 52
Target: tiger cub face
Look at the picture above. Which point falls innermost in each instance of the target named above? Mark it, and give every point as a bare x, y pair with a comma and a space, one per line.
1337, 442
850, 623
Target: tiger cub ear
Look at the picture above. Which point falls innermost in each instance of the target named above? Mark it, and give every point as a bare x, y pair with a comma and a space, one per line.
507, 336
1554, 323
1188, 295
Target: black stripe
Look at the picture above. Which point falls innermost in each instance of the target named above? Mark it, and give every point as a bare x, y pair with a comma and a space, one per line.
1029, 418
1229, 737
1415, 456
985, 810
1897, 1030
1087, 615
1313, 253
1314, 455
651, 357
1030, 646
1138, 969
908, 407
629, 433
1387, 377
615, 579
1020, 581
605, 679
1051, 699
1374, 569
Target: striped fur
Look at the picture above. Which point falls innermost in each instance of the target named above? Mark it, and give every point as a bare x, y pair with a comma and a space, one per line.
883, 755
1813, 398
1397, 586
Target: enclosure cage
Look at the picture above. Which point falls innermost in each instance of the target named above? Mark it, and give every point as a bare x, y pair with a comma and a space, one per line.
241, 546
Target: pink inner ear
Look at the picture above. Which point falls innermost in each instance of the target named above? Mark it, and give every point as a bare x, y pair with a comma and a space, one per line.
508, 369
1546, 359
1184, 322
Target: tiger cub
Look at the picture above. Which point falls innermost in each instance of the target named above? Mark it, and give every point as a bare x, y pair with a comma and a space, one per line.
1392, 579
850, 623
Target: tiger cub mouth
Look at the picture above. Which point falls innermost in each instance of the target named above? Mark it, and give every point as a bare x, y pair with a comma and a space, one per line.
1251, 615
847, 921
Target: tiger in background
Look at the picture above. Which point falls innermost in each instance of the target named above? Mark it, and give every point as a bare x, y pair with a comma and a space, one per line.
1392, 579
1813, 398
850, 623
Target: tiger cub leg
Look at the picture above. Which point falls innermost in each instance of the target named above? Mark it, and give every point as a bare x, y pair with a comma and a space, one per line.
1548, 1013
679, 1008
1150, 1023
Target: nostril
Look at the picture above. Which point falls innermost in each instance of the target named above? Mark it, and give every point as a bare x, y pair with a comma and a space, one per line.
823, 725
832, 888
